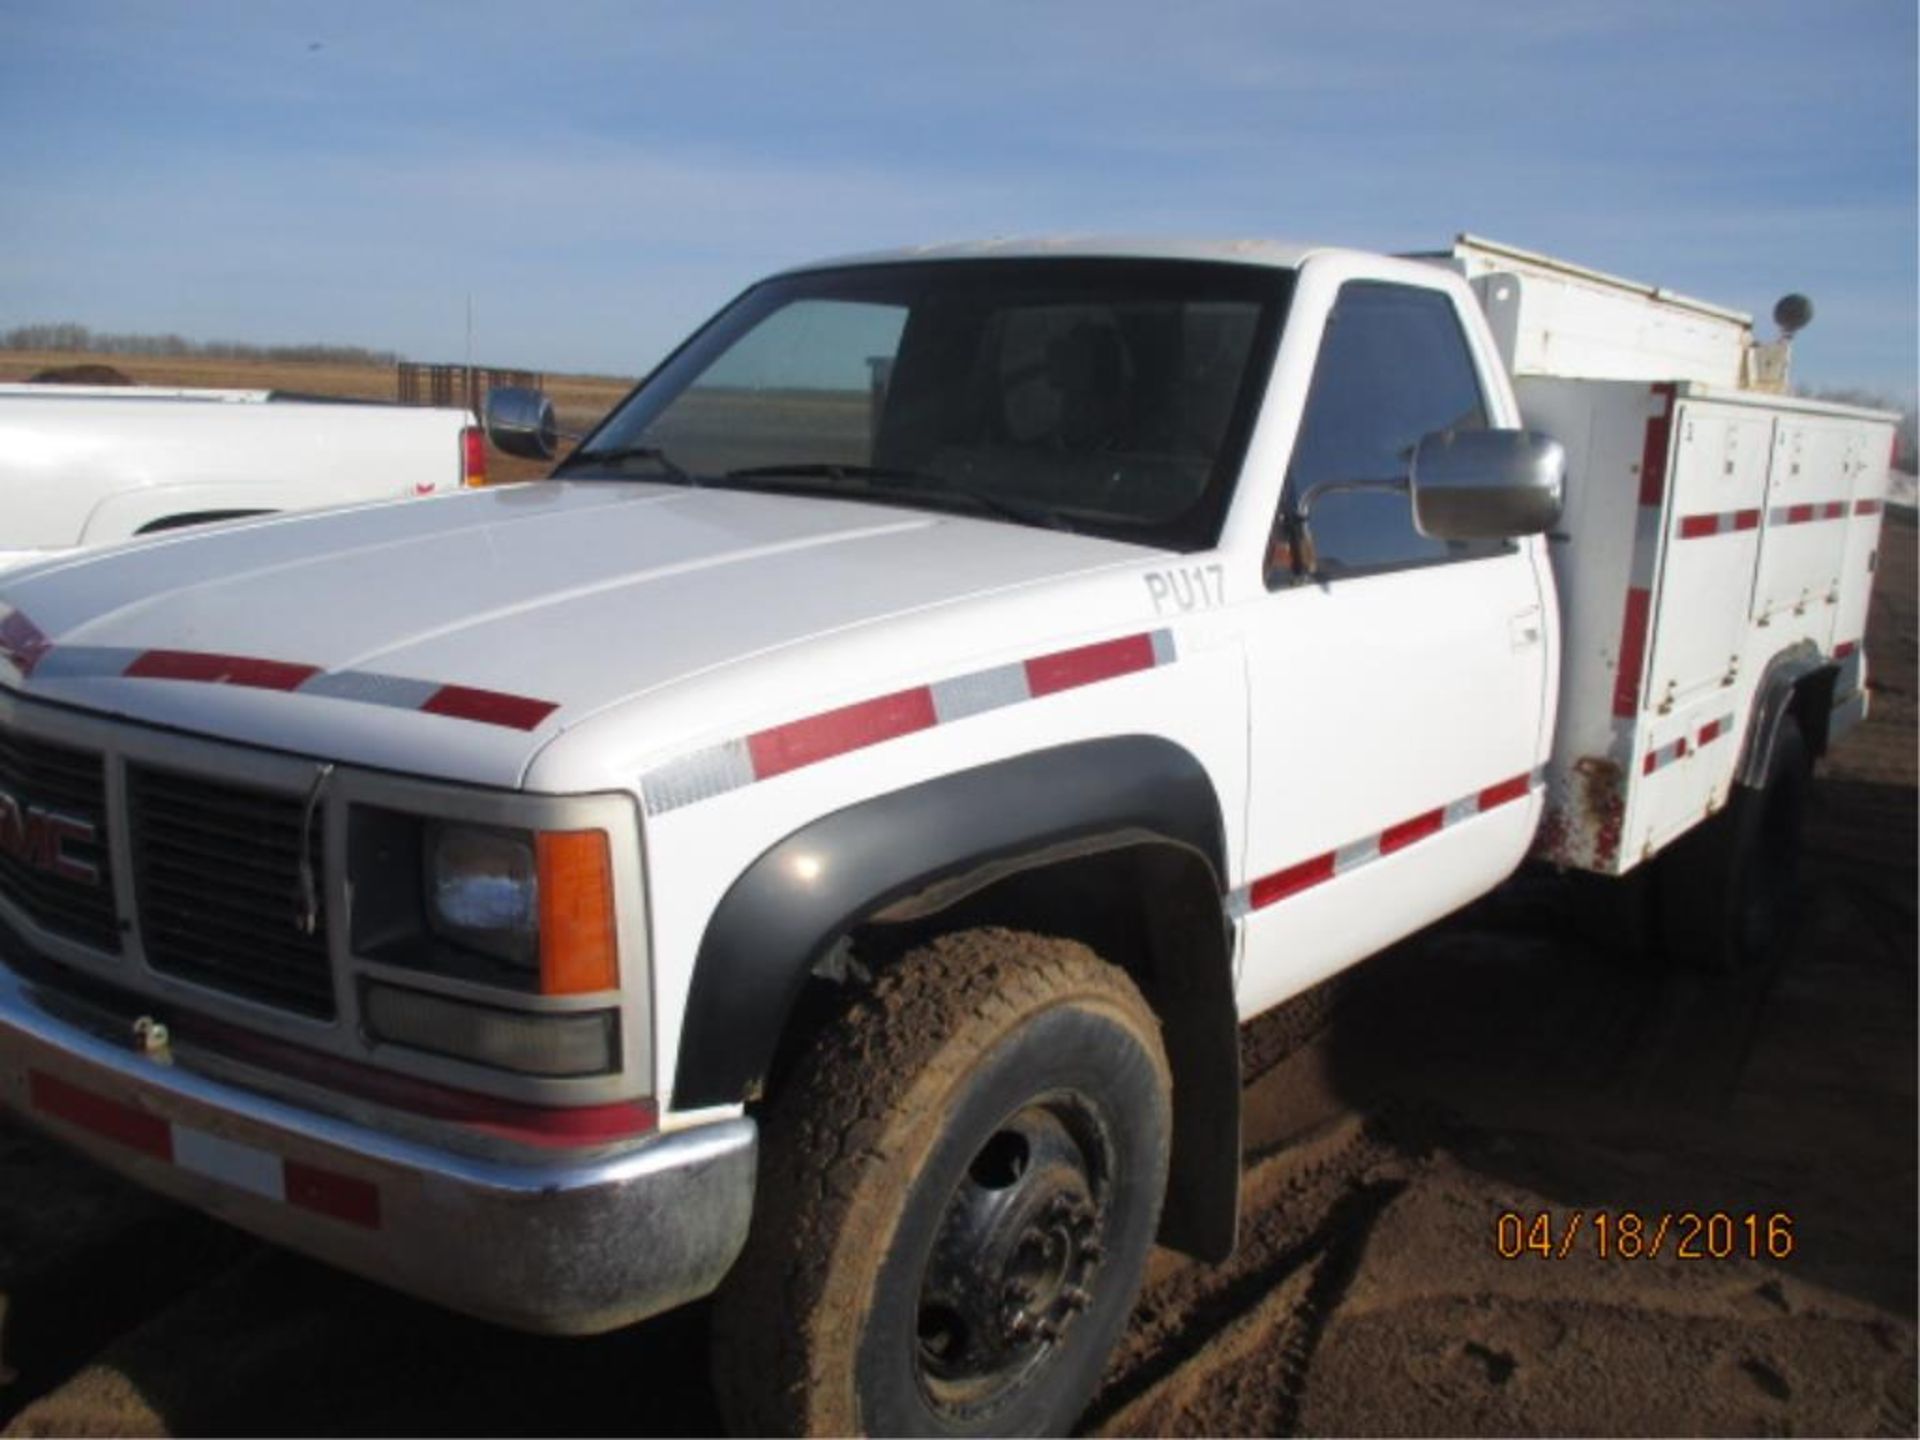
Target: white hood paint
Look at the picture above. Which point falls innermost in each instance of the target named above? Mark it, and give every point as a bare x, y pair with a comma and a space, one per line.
584, 594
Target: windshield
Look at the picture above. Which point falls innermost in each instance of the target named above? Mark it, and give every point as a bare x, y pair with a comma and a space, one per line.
1107, 396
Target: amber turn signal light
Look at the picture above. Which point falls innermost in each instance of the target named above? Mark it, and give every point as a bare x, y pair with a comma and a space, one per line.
578, 950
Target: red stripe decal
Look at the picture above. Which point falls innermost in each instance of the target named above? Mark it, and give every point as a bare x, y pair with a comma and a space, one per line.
1845, 648
1833, 510
1710, 732
488, 707
1069, 669
1866, 507
1799, 514
109, 1119
1692, 527
1398, 837
1653, 456
1633, 652
340, 1197
851, 727
209, 669
1504, 793
1291, 881
1746, 519
22, 642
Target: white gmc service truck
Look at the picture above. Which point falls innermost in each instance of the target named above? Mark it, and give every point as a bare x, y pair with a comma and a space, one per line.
818, 846
89, 465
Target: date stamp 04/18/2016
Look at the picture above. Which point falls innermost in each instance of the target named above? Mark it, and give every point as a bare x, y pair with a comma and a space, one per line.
1637, 1235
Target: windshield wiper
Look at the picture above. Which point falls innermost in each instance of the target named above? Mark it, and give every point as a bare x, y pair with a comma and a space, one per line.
616, 453
923, 483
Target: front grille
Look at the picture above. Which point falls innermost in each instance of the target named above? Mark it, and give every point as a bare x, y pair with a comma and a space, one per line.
37, 775
216, 871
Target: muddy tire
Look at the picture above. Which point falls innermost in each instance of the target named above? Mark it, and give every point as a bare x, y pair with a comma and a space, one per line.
1729, 892
958, 1188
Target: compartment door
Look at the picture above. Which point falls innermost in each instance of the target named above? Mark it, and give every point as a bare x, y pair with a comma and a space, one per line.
1870, 458
1716, 491
1803, 534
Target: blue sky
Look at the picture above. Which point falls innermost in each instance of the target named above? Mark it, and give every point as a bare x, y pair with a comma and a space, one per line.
601, 176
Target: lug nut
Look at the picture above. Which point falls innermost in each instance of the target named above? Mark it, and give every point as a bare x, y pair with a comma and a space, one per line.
1075, 1298
1019, 1325
1048, 1329
1092, 1251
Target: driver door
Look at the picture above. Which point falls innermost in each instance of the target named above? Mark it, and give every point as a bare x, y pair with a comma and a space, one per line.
1398, 691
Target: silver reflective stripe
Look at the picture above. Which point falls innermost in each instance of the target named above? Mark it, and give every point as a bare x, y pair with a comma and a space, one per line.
1646, 547
1669, 753
1163, 648
241, 1166
698, 776
1359, 852
367, 688
92, 662
981, 691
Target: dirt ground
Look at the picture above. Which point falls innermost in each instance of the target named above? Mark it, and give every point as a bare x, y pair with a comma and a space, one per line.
1510, 1063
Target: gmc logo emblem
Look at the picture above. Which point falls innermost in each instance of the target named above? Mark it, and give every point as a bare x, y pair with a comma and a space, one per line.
37, 836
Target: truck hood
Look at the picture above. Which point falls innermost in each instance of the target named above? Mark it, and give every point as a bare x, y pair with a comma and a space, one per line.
458, 636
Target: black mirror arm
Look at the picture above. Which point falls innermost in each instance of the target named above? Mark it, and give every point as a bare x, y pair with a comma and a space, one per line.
1299, 518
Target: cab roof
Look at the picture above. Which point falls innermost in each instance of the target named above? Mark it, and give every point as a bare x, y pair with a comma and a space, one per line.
1274, 254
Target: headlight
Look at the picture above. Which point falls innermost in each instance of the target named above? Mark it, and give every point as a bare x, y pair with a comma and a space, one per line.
541, 901
483, 891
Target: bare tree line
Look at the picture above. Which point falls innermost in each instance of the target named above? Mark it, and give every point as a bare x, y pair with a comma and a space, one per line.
68, 337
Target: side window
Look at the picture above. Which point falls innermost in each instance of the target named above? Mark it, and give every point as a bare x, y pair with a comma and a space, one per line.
1393, 367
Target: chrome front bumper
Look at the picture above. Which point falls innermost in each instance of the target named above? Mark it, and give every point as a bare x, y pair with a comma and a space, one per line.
563, 1246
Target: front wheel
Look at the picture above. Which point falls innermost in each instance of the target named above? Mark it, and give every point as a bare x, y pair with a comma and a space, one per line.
958, 1190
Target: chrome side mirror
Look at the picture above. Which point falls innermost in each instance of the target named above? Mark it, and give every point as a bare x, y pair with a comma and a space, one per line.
1486, 484
521, 422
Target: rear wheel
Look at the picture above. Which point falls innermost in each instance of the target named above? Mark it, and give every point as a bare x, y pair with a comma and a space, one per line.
1729, 892
959, 1187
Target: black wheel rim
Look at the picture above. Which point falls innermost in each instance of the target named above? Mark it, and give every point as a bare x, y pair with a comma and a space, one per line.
1016, 1259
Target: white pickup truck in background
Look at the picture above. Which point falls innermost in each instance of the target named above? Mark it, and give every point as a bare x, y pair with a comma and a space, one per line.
818, 847
88, 465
